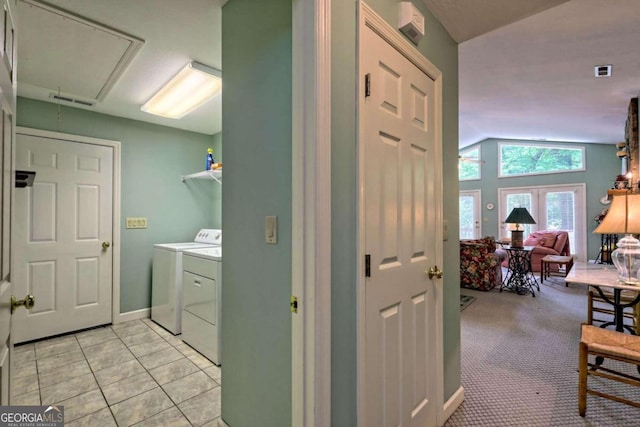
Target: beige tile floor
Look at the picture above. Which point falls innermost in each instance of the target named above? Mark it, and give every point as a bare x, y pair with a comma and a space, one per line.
133, 373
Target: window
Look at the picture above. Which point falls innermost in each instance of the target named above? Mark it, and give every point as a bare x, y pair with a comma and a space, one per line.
554, 207
469, 164
531, 159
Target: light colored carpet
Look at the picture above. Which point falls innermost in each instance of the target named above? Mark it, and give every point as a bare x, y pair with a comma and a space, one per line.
520, 360
465, 300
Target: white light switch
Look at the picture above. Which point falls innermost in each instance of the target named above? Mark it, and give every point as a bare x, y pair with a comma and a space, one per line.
445, 230
271, 229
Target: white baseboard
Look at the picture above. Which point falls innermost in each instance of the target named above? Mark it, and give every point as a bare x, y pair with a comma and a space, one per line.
133, 315
453, 403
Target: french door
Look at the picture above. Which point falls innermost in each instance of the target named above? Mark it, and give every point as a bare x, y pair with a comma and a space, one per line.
470, 211
553, 207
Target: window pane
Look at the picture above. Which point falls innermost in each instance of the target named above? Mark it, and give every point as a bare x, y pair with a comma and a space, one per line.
521, 159
561, 213
467, 219
522, 200
469, 165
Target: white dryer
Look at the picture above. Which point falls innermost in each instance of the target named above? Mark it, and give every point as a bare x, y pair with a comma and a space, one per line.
166, 280
202, 309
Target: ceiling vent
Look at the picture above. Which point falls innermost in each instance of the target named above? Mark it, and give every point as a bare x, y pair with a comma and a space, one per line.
603, 70
70, 100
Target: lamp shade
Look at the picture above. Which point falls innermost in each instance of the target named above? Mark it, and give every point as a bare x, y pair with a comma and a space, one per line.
623, 216
520, 216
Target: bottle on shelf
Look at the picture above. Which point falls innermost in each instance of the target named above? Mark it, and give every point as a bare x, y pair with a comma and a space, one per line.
210, 160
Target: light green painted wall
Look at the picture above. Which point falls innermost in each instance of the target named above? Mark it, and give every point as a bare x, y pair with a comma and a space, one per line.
343, 214
602, 168
256, 116
442, 51
153, 159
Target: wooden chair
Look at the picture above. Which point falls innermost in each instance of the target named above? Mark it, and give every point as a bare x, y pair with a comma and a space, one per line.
606, 344
604, 307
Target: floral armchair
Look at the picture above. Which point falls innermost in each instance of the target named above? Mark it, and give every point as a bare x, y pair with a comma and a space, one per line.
480, 264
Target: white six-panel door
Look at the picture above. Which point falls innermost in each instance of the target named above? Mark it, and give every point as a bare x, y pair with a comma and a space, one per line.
63, 236
8, 32
400, 238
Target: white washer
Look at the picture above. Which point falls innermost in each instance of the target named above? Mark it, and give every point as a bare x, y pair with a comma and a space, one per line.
202, 309
166, 280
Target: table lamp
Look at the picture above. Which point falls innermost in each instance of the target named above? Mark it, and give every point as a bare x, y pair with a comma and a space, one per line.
518, 216
624, 218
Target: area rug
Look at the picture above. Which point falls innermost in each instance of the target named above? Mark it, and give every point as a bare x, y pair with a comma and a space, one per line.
465, 301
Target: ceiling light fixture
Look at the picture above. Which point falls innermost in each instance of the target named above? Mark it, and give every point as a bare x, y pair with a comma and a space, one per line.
194, 85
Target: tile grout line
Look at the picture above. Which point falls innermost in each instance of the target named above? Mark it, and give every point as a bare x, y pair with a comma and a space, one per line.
96, 379
158, 384
186, 357
152, 377
172, 342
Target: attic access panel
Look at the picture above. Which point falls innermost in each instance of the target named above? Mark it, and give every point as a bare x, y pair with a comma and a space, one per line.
63, 51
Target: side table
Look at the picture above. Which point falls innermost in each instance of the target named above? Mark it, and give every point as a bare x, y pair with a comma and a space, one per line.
607, 278
562, 261
520, 278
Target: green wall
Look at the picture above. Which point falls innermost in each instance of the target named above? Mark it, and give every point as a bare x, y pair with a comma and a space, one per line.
442, 51
601, 169
153, 159
256, 113
343, 214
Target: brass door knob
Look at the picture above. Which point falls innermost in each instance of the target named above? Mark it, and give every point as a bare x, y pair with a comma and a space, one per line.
434, 272
105, 245
29, 301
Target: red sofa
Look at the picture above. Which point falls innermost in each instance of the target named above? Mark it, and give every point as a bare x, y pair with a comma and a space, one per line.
546, 242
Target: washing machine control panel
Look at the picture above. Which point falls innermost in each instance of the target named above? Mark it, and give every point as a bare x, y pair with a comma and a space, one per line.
211, 236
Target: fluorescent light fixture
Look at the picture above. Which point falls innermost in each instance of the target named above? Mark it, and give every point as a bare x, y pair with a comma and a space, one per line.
194, 85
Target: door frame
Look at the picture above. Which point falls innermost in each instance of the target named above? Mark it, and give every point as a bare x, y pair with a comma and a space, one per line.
367, 17
311, 213
115, 244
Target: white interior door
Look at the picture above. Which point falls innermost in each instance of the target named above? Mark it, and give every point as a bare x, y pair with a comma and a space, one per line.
470, 215
400, 229
6, 285
63, 235
7, 131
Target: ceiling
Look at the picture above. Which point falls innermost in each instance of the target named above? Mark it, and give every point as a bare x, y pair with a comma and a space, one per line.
534, 78
525, 67
115, 54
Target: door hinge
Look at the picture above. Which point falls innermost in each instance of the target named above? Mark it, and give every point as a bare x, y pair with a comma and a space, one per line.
367, 265
367, 85
293, 303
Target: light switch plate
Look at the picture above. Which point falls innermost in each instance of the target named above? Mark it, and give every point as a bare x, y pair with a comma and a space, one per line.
271, 229
445, 230
136, 222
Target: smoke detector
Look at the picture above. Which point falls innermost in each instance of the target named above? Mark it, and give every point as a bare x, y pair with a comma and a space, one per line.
410, 21
603, 70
